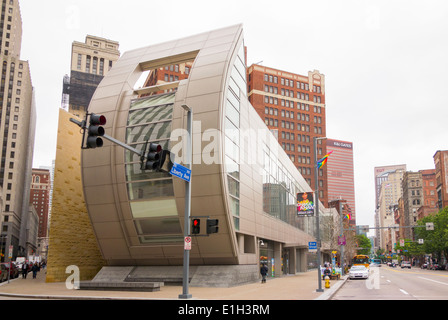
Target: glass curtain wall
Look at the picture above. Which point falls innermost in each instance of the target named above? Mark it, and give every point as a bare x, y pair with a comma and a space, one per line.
151, 194
236, 90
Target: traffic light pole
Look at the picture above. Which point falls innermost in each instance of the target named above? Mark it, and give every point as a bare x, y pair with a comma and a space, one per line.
105, 136
189, 152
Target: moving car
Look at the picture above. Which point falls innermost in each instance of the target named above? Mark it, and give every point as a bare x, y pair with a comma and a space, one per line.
405, 264
358, 272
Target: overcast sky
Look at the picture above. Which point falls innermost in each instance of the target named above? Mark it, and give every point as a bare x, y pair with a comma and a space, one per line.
385, 64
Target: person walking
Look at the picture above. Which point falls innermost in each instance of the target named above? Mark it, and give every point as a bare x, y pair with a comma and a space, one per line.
24, 270
35, 268
264, 272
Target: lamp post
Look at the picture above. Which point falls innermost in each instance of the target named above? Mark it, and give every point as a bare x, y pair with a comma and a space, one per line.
316, 201
189, 164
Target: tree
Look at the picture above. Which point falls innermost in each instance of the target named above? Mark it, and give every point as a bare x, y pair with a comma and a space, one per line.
435, 241
364, 244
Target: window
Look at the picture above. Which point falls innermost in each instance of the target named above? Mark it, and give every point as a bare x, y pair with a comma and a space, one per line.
88, 64
79, 65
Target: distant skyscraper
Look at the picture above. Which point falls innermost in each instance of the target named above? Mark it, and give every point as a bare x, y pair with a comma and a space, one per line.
91, 61
340, 174
17, 130
388, 191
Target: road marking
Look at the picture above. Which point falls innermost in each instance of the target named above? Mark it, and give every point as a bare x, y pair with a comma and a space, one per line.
404, 292
434, 281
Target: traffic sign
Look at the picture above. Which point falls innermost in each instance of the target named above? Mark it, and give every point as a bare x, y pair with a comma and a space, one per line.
312, 246
181, 172
187, 243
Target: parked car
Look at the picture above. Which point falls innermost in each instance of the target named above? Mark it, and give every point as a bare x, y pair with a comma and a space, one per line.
14, 272
358, 272
436, 266
3, 273
405, 264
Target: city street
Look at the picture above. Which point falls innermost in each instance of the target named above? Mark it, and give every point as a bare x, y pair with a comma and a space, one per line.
386, 283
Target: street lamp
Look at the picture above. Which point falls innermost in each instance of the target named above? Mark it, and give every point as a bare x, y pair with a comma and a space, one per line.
316, 201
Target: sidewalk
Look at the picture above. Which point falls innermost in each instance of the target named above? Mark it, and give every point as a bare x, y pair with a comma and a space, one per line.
293, 287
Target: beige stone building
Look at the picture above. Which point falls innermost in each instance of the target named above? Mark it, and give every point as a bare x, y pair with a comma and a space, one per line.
90, 62
245, 179
390, 192
17, 129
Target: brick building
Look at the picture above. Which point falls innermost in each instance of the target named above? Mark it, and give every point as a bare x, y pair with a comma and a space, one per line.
441, 164
293, 107
40, 198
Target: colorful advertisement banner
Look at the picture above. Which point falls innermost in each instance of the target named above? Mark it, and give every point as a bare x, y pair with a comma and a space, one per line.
305, 204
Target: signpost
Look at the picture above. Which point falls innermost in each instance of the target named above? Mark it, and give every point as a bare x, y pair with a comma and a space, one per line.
185, 174
312, 246
181, 172
187, 243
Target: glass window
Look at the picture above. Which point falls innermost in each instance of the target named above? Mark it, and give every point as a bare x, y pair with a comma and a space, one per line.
151, 194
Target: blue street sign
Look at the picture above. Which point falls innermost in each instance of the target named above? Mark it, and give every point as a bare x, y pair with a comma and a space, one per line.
312, 245
181, 172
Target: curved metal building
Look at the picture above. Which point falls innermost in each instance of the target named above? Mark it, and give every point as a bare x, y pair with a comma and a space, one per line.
240, 174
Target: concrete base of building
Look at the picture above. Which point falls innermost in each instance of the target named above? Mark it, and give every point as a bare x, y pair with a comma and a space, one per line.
147, 277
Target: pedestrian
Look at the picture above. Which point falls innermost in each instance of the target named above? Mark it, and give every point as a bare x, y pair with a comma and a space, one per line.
327, 272
35, 268
264, 272
24, 270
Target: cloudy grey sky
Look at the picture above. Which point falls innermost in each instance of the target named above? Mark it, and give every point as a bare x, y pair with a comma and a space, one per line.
385, 63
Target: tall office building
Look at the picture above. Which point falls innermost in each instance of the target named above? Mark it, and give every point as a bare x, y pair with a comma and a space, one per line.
341, 177
293, 108
40, 198
17, 129
91, 61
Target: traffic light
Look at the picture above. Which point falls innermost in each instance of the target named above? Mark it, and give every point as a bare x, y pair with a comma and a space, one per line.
153, 157
95, 131
196, 226
212, 226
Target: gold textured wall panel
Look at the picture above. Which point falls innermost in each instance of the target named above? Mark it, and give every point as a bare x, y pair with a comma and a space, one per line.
72, 240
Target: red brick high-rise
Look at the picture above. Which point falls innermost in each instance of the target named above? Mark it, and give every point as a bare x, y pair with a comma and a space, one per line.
441, 164
293, 107
40, 198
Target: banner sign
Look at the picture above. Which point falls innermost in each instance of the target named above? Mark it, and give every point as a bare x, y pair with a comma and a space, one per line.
305, 204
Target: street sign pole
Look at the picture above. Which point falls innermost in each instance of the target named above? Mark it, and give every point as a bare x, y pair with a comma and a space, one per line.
316, 206
189, 151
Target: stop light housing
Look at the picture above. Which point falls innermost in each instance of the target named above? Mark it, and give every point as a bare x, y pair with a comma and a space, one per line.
95, 131
153, 157
212, 226
195, 226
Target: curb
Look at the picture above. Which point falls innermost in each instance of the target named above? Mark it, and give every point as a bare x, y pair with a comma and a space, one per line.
333, 290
